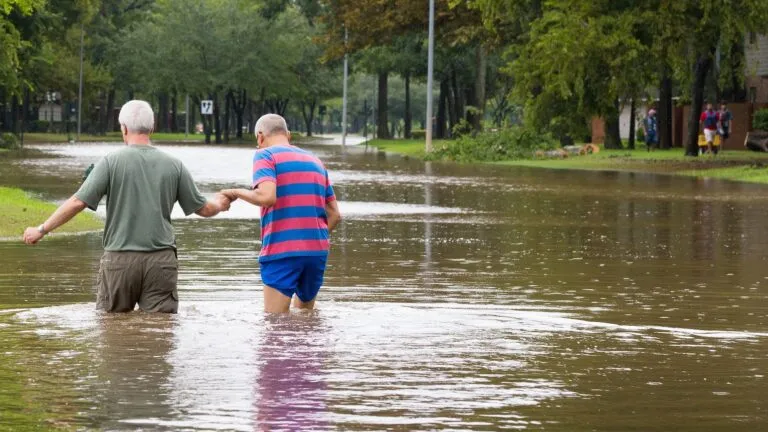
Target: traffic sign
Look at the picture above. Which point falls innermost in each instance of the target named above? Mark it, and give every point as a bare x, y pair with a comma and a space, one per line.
206, 107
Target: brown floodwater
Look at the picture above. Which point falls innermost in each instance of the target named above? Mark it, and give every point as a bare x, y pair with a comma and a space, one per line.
457, 297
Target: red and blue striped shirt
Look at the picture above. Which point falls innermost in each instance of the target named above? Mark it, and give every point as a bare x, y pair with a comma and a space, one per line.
297, 224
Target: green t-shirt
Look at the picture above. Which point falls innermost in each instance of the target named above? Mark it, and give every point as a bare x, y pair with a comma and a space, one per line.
142, 184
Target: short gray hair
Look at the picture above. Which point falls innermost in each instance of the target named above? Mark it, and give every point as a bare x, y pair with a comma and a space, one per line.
271, 124
137, 116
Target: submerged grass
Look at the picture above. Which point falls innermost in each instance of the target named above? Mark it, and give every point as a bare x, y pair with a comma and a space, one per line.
21, 211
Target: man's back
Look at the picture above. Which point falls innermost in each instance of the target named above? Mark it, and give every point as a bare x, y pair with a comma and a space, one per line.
142, 184
296, 225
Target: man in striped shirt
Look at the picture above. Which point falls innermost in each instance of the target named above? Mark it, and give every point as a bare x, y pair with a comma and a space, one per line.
298, 212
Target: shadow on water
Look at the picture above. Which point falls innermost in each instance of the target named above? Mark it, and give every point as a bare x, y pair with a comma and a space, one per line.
457, 297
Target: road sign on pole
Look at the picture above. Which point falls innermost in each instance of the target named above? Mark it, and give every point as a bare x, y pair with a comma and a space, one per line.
206, 107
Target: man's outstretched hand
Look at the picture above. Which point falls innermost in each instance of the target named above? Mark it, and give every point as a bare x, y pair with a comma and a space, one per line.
32, 235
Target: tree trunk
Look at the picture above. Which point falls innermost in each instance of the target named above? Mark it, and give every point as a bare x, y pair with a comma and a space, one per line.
480, 82
632, 125
454, 111
441, 109
613, 129
308, 112
240, 104
162, 112
228, 102
408, 114
382, 122
665, 109
15, 110
110, 110
703, 64
174, 113
216, 118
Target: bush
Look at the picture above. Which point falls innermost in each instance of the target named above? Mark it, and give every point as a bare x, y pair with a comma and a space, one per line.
419, 134
516, 142
640, 135
760, 120
9, 141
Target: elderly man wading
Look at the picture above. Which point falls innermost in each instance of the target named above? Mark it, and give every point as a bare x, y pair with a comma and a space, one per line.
298, 212
142, 184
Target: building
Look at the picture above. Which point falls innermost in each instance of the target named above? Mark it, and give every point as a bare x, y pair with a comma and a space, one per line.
757, 68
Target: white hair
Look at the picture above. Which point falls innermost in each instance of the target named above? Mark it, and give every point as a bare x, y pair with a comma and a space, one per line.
271, 124
137, 117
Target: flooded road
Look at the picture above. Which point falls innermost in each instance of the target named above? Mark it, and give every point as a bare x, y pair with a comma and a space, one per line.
457, 297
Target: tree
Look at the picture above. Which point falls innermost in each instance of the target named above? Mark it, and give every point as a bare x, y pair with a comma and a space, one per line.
692, 32
584, 55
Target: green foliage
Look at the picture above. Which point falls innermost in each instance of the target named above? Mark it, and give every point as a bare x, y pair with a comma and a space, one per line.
760, 120
419, 134
9, 141
511, 143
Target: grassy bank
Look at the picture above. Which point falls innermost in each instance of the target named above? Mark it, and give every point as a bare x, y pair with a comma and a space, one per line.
21, 211
734, 165
53, 138
158, 138
408, 147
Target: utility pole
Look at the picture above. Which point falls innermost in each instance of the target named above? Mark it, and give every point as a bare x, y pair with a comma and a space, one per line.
80, 90
430, 73
186, 114
344, 104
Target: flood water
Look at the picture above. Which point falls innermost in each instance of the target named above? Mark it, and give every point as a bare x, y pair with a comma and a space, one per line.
457, 297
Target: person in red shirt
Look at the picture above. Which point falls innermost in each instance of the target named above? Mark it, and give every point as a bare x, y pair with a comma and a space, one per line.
710, 123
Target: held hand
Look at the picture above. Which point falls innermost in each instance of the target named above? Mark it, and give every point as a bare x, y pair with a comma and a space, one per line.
32, 236
223, 201
231, 194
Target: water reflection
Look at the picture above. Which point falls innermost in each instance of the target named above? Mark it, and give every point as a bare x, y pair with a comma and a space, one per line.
132, 370
291, 391
457, 297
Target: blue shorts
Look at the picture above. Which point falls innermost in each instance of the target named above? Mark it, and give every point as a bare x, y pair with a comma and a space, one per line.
302, 276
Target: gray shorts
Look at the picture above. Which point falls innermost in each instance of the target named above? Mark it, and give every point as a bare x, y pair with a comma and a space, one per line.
146, 278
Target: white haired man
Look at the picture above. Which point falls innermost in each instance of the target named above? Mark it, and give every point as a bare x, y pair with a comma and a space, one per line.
298, 212
142, 184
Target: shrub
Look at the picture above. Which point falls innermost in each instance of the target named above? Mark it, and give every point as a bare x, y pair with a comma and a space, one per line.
640, 135
419, 134
9, 141
516, 142
760, 120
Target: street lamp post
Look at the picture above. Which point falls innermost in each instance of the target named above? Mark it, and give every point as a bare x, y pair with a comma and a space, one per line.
430, 73
80, 90
344, 104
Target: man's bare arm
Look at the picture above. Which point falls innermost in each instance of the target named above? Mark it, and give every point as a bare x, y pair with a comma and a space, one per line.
333, 214
265, 195
62, 215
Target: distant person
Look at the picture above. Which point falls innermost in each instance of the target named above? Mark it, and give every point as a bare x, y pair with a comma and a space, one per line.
298, 212
142, 183
710, 123
650, 130
726, 117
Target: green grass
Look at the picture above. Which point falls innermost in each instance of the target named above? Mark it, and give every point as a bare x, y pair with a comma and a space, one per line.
54, 138
21, 211
733, 165
408, 147
746, 173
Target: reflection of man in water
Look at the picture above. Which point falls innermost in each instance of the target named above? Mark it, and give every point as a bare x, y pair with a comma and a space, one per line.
133, 370
291, 390
142, 184
298, 211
